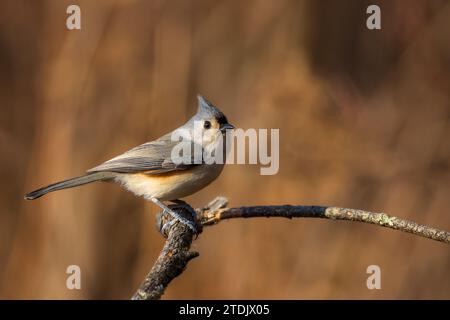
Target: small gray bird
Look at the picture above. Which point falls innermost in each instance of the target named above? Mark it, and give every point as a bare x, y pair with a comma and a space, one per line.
150, 171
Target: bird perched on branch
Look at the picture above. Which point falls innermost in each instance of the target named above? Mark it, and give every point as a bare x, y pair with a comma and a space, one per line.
150, 170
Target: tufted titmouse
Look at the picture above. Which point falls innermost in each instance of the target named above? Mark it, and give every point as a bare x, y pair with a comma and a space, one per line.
150, 171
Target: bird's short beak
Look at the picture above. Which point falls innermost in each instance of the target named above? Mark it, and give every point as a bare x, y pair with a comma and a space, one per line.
226, 126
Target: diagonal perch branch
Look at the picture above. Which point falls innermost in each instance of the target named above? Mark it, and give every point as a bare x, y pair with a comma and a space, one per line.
176, 253
173, 258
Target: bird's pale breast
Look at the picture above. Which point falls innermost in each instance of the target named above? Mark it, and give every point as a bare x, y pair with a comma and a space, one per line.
173, 185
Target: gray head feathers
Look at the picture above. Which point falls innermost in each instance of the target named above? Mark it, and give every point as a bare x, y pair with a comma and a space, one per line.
207, 110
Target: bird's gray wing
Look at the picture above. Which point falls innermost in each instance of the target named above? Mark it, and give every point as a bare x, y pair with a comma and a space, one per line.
152, 157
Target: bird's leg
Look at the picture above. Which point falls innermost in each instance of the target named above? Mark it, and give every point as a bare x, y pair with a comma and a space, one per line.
175, 215
183, 204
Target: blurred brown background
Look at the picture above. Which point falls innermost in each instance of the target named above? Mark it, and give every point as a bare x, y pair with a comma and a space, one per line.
363, 118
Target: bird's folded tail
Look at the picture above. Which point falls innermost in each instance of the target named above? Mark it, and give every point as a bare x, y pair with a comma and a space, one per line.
74, 182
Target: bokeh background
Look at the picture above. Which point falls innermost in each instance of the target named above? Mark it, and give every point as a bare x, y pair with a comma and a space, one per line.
363, 118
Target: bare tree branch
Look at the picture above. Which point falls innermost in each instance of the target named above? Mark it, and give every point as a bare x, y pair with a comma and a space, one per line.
210, 217
173, 258
176, 252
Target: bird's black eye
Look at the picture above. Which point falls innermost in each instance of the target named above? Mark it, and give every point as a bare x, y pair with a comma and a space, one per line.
207, 125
